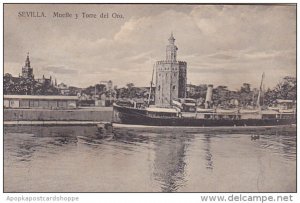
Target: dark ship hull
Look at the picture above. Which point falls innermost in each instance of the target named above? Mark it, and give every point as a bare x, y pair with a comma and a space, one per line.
134, 116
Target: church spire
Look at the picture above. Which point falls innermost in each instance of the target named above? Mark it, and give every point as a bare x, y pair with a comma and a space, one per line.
27, 71
27, 62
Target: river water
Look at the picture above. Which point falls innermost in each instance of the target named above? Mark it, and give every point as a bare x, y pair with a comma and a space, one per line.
50, 159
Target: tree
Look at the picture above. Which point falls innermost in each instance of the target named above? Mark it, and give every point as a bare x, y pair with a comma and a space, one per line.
285, 89
221, 95
246, 88
246, 95
129, 86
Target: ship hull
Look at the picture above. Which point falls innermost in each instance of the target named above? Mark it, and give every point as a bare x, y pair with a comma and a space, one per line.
133, 116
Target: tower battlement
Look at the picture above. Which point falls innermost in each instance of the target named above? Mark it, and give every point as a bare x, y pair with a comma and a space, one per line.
165, 62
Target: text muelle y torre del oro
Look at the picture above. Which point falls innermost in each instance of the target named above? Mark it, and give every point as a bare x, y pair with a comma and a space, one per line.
85, 15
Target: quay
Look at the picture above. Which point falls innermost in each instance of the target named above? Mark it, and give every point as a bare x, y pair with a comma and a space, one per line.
49, 123
88, 115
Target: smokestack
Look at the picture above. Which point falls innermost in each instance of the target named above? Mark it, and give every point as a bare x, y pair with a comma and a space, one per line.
208, 99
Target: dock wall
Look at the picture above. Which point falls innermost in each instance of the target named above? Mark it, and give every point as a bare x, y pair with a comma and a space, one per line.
96, 114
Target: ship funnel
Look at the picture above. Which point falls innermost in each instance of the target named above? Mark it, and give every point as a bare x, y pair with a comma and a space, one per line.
208, 99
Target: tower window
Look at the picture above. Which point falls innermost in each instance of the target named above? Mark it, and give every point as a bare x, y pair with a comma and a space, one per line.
158, 87
174, 87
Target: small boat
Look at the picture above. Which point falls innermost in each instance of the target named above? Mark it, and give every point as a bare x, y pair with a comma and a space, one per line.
105, 128
105, 132
255, 137
89, 140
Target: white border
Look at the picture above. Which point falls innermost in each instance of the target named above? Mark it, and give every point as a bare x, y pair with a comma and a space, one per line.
130, 197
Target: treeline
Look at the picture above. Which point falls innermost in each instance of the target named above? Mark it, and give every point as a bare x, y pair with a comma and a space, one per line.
286, 89
26, 86
246, 95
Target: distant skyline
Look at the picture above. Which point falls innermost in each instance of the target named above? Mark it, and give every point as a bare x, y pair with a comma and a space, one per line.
222, 44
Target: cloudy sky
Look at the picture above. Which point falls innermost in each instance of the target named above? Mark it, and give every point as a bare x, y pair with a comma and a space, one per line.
222, 44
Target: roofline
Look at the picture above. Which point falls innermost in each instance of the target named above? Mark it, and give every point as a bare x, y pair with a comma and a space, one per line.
46, 97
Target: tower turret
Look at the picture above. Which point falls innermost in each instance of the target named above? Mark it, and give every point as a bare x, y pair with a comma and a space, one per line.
171, 51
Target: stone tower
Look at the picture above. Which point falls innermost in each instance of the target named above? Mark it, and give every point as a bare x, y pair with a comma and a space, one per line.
170, 76
27, 71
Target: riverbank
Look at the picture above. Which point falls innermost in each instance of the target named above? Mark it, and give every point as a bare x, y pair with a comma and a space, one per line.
94, 114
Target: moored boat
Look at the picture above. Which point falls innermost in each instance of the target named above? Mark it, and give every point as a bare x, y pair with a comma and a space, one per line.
173, 117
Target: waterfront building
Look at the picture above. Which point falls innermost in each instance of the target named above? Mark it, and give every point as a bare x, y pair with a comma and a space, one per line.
170, 76
35, 101
46, 81
63, 88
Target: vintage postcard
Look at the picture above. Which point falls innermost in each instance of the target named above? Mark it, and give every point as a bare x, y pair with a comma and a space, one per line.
149, 98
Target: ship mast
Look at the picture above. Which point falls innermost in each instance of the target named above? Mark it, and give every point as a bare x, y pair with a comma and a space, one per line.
151, 83
260, 90
95, 95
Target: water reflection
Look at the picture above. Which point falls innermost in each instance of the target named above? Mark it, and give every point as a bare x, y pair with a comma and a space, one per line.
169, 162
155, 161
208, 155
23, 141
281, 144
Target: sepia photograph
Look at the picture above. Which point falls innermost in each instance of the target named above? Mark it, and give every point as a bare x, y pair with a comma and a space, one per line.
149, 98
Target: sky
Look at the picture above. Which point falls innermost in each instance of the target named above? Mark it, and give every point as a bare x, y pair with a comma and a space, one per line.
222, 44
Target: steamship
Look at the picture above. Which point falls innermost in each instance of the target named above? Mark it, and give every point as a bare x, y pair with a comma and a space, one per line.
174, 116
172, 108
